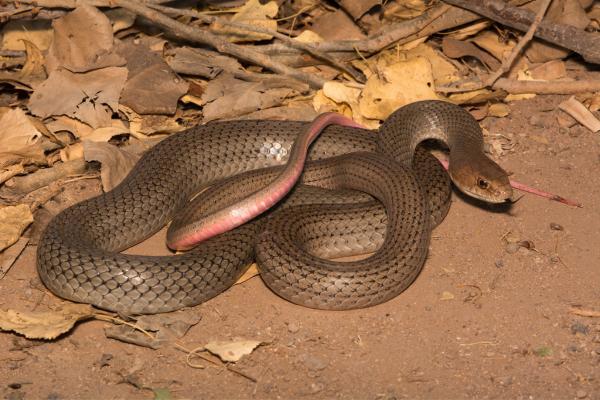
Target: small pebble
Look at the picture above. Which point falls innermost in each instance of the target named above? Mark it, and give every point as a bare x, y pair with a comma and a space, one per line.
314, 363
581, 394
499, 264
556, 227
293, 327
578, 327
316, 387
512, 248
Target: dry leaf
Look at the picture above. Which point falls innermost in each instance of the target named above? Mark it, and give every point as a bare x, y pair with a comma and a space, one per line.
90, 97
37, 31
406, 9
13, 221
116, 163
250, 273
549, 71
232, 351
45, 325
457, 49
566, 12
142, 127
251, 13
335, 96
227, 97
308, 36
120, 18
490, 42
523, 75
444, 72
469, 30
498, 110
578, 111
166, 328
357, 8
10, 255
336, 25
201, 62
152, 87
397, 85
83, 41
17, 131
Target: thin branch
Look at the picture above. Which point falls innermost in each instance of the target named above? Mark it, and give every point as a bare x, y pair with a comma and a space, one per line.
199, 36
309, 48
585, 43
508, 61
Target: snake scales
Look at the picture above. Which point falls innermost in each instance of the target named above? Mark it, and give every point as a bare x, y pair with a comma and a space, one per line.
79, 252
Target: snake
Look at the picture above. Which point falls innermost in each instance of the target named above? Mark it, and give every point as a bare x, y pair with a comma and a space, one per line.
362, 192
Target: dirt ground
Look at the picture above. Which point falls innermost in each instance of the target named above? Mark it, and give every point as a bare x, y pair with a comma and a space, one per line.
483, 320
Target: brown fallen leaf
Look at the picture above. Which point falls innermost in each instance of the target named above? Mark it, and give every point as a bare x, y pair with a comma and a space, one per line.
336, 25
566, 12
38, 32
491, 42
549, 71
407, 9
153, 331
357, 8
10, 255
252, 13
17, 131
200, 62
46, 324
457, 49
152, 87
83, 41
90, 97
227, 97
13, 222
397, 85
232, 351
116, 163
250, 273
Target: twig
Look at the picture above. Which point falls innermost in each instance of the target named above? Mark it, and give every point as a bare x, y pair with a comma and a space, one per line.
356, 75
585, 43
199, 36
585, 313
508, 61
44, 177
540, 87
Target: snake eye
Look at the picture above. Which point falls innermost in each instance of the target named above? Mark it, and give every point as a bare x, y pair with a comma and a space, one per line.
482, 183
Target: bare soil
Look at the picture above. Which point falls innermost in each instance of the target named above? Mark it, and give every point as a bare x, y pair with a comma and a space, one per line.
479, 322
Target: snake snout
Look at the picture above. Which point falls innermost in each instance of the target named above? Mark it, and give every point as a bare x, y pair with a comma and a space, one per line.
484, 180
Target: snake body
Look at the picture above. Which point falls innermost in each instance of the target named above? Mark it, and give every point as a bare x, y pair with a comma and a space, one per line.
79, 252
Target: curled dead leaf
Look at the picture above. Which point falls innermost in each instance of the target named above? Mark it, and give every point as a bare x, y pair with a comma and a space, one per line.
116, 163
13, 222
46, 324
232, 351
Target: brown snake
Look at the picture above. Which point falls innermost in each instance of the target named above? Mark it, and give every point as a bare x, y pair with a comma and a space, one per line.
78, 254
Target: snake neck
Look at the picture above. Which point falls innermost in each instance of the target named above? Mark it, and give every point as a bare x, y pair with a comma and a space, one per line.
470, 169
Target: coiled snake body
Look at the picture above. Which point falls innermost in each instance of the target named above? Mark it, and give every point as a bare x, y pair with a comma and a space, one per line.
78, 254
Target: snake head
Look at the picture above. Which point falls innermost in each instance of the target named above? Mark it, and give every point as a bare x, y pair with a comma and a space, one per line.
482, 179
